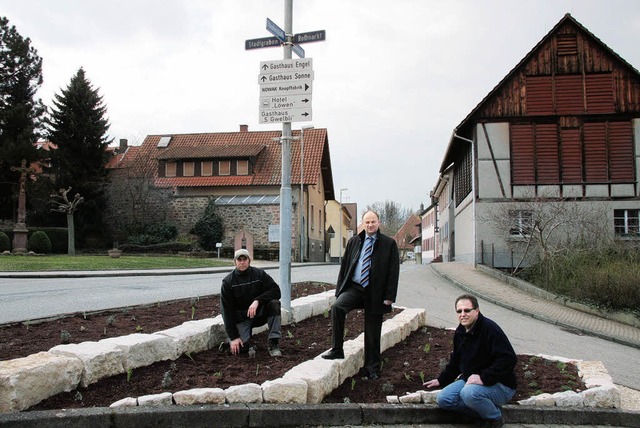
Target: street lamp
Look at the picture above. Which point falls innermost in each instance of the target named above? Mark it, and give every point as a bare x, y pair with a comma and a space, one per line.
340, 227
301, 219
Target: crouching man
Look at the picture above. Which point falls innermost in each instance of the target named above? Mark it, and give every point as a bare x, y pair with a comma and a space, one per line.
250, 298
479, 378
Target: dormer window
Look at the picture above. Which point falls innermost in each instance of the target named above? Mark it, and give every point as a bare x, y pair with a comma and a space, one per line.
207, 168
224, 167
242, 167
170, 169
188, 169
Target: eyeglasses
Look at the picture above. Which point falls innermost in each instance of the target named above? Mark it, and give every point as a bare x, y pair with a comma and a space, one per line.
466, 311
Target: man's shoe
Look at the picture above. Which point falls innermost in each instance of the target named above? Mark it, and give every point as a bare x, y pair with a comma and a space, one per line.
274, 350
374, 376
334, 354
492, 423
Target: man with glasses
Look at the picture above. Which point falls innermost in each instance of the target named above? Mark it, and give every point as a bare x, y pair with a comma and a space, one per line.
250, 298
479, 377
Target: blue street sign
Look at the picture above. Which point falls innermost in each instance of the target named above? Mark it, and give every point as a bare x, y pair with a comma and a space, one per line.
313, 36
264, 42
273, 28
298, 50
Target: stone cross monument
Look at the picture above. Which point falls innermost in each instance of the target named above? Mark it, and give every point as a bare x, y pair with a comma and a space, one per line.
20, 229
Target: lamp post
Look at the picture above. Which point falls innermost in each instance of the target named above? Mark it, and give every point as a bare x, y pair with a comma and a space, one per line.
301, 200
340, 227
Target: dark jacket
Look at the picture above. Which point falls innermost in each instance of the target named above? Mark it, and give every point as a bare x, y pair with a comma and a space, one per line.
485, 351
238, 292
385, 270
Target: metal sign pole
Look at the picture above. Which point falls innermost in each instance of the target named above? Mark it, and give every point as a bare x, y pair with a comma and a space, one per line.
285, 189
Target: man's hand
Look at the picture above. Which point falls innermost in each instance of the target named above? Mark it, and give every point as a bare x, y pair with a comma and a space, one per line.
387, 302
235, 346
433, 383
253, 309
474, 379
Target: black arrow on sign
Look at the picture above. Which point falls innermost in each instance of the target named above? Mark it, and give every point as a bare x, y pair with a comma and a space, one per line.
264, 67
305, 114
264, 78
306, 87
305, 100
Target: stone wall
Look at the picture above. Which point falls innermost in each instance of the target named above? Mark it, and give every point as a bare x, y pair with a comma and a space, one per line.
255, 219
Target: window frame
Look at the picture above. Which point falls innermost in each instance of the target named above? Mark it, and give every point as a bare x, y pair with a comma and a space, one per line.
225, 171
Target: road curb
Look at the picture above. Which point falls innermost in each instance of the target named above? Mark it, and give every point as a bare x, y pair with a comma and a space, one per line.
266, 415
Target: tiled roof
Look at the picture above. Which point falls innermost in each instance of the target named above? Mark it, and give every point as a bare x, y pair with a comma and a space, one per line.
267, 169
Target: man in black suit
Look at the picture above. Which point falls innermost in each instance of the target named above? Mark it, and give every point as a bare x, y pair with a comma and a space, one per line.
368, 279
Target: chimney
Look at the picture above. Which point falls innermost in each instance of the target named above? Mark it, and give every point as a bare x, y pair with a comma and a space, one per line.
244, 128
123, 145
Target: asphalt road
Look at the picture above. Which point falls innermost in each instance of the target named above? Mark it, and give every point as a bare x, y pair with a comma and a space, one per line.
25, 299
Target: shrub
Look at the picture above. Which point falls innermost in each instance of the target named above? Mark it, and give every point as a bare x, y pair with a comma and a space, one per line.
165, 247
153, 234
40, 243
209, 228
5, 243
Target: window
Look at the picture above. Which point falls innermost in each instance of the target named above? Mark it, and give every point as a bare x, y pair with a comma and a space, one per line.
626, 222
521, 223
207, 168
225, 167
188, 169
170, 169
242, 167
312, 225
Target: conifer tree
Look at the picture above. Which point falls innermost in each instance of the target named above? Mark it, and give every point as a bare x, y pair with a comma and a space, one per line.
78, 127
20, 112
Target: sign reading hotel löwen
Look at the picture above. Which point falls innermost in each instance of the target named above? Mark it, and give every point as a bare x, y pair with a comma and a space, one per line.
285, 90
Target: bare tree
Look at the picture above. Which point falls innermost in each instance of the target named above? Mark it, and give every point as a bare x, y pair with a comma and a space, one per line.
64, 205
543, 228
392, 215
133, 199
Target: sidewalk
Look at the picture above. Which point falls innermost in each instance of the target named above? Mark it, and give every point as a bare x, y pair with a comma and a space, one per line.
497, 291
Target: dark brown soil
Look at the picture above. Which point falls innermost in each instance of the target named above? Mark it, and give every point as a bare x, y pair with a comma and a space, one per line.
404, 366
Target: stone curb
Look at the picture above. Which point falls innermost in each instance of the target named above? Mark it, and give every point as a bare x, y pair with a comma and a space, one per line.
267, 415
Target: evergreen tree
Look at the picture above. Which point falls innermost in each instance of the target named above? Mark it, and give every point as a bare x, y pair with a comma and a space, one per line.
20, 113
78, 126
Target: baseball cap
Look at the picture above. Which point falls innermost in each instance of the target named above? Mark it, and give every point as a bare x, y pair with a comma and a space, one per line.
241, 252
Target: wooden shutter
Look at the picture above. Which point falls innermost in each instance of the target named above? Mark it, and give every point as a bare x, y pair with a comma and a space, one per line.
522, 154
595, 152
568, 94
621, 152
539, 95
599, 89
547, 154
571, 153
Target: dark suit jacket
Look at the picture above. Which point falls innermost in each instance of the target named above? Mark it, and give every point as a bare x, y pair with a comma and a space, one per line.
385, 270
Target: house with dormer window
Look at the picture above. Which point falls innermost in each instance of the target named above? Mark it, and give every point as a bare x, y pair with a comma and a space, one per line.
560, 131
241, 171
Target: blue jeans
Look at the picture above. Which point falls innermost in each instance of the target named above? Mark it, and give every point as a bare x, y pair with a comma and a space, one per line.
479, 401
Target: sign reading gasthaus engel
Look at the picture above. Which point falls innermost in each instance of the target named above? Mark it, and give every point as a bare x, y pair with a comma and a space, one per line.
286, 66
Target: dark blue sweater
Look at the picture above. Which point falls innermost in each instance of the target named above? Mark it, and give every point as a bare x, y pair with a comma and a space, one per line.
485, 350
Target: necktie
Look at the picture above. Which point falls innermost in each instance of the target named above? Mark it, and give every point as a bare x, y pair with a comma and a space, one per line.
366, 262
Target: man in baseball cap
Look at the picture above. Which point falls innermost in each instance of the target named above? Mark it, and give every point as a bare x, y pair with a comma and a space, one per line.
250, 298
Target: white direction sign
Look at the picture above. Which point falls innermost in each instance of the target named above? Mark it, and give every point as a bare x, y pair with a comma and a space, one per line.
286, 115
285, 101
285, 90
286, 65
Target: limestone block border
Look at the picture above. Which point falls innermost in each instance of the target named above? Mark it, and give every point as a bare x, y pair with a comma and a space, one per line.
601, 392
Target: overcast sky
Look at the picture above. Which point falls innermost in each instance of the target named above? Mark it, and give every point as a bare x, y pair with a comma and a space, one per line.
392, 80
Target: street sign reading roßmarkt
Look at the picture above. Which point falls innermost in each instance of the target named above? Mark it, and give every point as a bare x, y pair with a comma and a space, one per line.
285, 90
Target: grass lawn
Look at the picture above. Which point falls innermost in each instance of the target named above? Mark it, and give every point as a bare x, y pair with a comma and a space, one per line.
63, 262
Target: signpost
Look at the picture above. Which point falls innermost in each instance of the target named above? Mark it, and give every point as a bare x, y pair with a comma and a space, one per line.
285, 96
